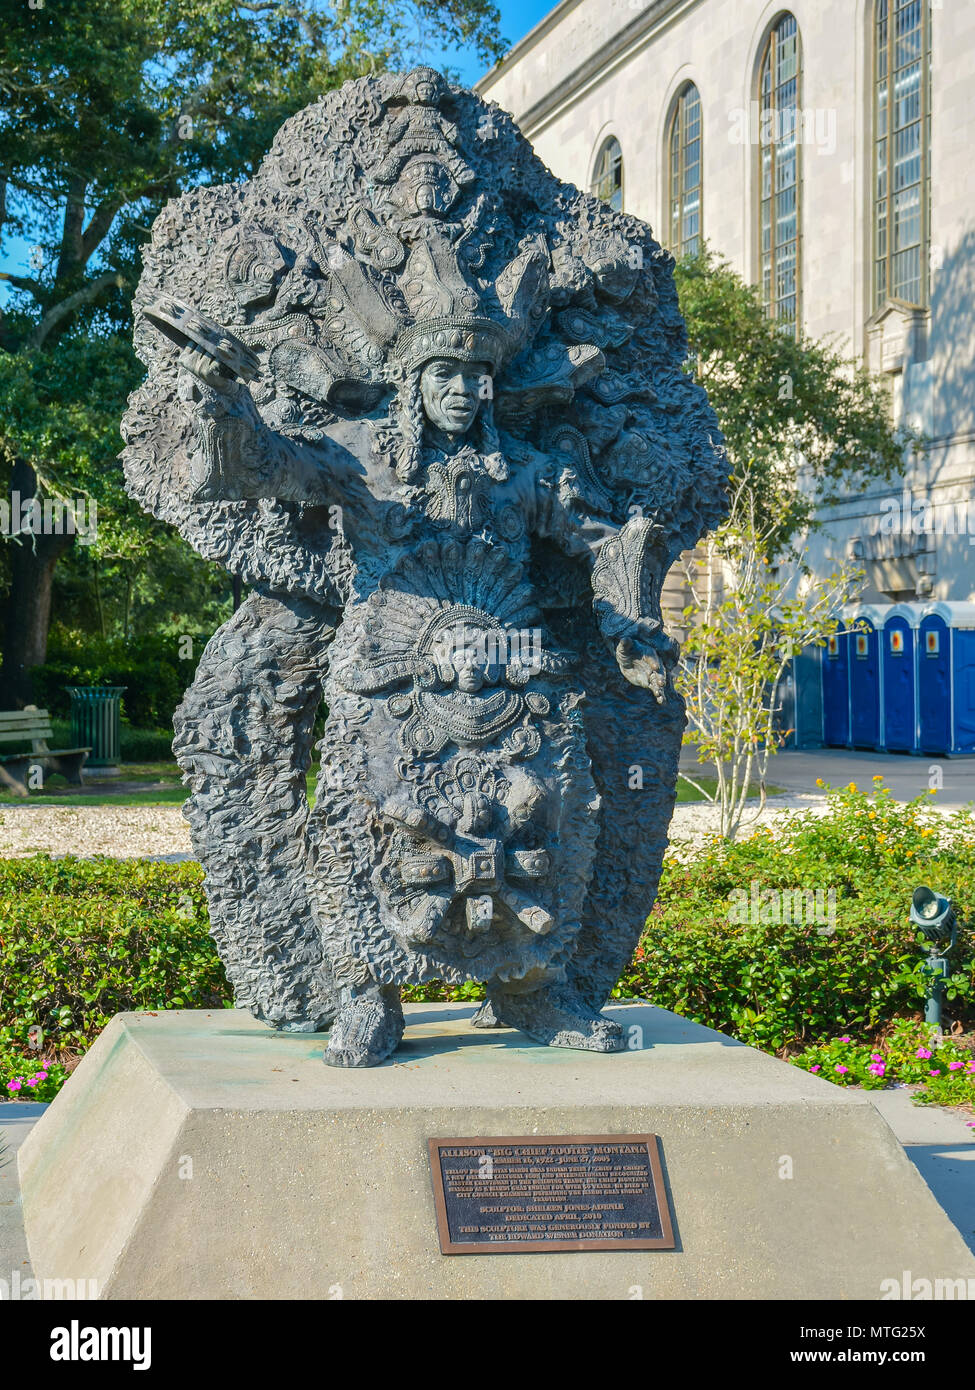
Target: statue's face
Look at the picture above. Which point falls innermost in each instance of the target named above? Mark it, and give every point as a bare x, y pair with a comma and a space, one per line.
468, 658
451, 393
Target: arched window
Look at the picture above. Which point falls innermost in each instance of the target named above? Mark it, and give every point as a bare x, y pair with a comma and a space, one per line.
901, 143
607, 175
780, 202
684, 157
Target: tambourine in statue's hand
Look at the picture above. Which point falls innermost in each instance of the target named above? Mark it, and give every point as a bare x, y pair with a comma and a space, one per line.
209, 352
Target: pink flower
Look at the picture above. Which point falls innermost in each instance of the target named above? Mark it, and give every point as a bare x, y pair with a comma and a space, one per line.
845, 1037
32, 1081
922, 1052
876, 1057
841, 1069
955, 1066
935, 1073
41, 1076
878, 1068
13, 1085
815, 1067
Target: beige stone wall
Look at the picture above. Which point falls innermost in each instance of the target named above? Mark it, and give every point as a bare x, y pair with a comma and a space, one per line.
595, 68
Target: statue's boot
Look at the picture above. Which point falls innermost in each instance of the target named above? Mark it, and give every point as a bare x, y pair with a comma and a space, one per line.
554, 1015
486, 1017
368, 1029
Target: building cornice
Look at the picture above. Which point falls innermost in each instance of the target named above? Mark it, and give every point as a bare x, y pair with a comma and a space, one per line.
518, 50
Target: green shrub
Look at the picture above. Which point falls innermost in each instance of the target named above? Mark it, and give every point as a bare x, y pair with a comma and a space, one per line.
146, 745
136, 745
911, 1054
149, 667
82, 940
782, 985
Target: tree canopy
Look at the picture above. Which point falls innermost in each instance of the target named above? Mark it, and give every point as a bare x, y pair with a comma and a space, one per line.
804, 424
107, 109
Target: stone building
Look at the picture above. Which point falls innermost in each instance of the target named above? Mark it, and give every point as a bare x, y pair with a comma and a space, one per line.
825, 150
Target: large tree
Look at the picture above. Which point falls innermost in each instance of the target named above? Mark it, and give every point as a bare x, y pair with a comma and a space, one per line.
108, 108
804, 423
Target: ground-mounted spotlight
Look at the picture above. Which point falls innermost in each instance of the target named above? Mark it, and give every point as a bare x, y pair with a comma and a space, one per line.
934, 917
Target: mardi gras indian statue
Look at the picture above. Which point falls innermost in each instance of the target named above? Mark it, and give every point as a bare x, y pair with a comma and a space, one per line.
428, 403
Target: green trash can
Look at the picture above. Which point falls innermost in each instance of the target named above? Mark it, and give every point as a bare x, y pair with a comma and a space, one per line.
96, 712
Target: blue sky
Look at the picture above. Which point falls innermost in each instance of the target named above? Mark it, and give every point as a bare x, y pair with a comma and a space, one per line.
517, 17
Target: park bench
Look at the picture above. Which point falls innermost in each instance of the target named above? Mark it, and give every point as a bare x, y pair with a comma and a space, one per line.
33, 725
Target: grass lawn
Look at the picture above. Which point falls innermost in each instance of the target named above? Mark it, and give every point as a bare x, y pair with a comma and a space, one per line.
687, 793
160, 784
140, 784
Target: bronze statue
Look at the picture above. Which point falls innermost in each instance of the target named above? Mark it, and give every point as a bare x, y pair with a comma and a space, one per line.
430, 404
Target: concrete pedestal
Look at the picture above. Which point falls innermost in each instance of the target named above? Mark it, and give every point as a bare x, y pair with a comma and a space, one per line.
200, 1155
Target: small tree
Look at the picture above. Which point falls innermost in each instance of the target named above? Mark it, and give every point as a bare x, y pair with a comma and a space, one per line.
745, 622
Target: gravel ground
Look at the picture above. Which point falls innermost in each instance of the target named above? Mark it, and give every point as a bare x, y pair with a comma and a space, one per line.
695, 820
137, 832
160, 832
125, 832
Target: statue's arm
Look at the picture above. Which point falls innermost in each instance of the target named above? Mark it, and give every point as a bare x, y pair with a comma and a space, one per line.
236, 455
627, 577
627, 569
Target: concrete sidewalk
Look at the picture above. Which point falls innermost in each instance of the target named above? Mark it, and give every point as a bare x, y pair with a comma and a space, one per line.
907, 776
937, 1141
942, 1148
17, 1119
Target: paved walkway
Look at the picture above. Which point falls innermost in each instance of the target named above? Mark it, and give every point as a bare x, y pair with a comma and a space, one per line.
16, 1121
797, 774
906, 776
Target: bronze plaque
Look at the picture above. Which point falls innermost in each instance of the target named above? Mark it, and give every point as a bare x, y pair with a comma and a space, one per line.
497, 1196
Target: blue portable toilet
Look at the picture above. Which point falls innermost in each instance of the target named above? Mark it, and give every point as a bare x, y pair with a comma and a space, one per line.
946, 678
809, 697
836, 690
934, 681
866, 709
899, 679
799, 698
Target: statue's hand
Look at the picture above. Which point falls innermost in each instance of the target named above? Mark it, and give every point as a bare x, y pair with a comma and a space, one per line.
647, 663
206, 369
228, 461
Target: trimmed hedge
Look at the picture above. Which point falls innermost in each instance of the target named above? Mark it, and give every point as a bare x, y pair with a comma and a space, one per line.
82, 940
